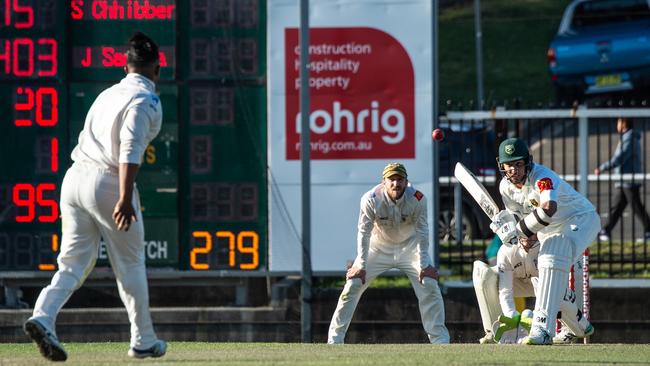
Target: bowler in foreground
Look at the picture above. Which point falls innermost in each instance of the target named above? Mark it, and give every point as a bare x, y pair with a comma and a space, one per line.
99, 200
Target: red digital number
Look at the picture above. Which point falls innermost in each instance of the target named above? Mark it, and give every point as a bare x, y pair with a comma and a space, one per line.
18, 9
51, 56
54, 114
20, 200
33, 100
54, 157
47, 51
24, 195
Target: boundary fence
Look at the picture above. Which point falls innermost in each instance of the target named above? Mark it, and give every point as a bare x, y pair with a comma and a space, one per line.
572, 142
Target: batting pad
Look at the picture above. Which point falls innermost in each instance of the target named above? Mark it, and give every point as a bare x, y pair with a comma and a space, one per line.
573, 319
555, 258
487, 293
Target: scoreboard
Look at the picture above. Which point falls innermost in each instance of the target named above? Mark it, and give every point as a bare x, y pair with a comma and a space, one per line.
203, 180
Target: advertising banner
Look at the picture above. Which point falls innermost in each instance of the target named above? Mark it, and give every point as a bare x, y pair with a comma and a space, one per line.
371, 102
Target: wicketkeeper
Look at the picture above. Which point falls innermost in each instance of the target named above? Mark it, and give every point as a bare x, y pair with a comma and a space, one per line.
516, 275
538, 202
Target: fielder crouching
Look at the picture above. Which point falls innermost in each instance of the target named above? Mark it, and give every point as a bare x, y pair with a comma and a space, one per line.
564, 221
393, 233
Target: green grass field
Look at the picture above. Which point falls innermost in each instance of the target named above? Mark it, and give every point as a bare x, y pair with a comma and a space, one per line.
251, 354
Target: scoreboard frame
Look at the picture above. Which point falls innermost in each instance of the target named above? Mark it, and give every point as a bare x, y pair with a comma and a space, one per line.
55, 57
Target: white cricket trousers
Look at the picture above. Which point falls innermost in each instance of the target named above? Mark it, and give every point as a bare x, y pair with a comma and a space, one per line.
88, 197
556, 254
406, 259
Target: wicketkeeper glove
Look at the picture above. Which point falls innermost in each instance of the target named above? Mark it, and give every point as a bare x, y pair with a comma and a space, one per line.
506, 324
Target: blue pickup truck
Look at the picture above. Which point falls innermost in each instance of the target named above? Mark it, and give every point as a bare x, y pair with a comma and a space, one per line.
601, 46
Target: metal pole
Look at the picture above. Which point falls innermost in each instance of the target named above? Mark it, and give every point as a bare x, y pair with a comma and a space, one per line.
306, 282
435, 197
479, 53
458, 212
583, 155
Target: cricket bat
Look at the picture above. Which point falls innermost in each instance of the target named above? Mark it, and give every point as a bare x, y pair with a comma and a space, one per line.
476, 189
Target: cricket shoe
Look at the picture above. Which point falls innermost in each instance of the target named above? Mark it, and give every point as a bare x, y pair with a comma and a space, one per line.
537, 337
46, 341
565, 337
487, 339
157, 350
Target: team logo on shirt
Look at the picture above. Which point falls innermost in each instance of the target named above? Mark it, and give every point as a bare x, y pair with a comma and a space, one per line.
418, 195
544, 184
534, 202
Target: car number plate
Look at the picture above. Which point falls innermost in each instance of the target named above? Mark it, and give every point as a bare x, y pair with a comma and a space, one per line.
607, 80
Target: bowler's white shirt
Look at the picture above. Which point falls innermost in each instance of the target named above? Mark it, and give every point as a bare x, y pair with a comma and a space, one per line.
120, 124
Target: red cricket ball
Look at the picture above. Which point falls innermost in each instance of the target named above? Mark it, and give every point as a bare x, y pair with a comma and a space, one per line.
437, 134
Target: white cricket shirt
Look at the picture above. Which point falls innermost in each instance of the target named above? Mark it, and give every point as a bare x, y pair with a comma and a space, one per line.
120, 124
385, 225
523, 201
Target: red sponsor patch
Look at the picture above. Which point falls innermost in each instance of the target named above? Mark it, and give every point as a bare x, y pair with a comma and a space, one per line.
418, 195
544, 184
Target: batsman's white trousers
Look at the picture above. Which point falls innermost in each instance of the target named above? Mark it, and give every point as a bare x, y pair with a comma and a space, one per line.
556, 254
88, 197
406, 259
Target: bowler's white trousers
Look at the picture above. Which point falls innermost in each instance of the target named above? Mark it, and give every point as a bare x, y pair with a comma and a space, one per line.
406, 259
88, 197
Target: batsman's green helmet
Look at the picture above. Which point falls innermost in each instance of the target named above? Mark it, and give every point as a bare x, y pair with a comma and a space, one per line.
513, 149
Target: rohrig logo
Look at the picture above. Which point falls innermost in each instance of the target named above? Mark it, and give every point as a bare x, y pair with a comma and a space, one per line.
388, 124
362, 95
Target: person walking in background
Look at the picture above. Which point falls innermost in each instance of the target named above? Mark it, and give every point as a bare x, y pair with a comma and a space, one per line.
393, 233
99, 200
627, 158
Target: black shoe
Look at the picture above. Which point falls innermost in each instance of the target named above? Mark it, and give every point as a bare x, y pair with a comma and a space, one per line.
46, 341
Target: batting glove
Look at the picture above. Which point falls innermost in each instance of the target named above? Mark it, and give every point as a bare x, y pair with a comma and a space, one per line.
504, 225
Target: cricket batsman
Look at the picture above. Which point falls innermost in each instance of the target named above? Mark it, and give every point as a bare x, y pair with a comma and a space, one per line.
539, 203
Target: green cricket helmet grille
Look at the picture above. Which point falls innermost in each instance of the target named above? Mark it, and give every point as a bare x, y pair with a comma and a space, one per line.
514, 149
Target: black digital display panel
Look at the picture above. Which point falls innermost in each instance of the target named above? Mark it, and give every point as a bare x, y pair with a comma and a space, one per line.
203, 179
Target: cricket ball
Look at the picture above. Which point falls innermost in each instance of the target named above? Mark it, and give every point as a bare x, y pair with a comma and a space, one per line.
437, 134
